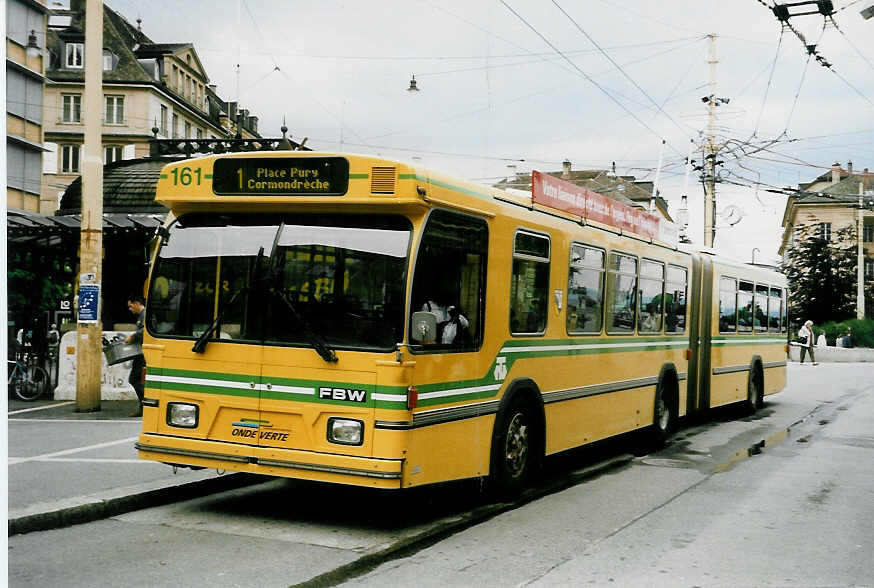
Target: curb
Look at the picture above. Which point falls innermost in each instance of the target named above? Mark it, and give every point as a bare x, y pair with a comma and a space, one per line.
105, 508
428, 537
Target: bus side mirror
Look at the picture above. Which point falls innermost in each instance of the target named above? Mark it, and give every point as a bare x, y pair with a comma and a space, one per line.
424, 327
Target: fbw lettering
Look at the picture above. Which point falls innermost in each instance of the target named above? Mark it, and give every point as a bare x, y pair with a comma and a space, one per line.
329, 393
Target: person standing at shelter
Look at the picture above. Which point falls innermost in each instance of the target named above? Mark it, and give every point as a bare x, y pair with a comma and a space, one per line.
136, 304
805, 336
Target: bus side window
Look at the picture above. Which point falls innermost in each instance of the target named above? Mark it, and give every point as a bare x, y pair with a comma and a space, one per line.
621, 293
529, 284
727, 305
745, 310
652, 285
585, 290
775, 310
760, 316
449, 279
675, 299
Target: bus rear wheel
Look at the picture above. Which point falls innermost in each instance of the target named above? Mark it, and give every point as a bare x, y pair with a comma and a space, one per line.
755, 398
664, 416
513, 445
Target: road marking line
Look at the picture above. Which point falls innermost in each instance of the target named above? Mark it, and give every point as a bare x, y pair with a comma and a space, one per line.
41, 407
89, 460
15, 460
116, 421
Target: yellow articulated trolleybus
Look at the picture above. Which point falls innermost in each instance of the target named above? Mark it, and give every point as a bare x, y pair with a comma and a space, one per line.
355, 320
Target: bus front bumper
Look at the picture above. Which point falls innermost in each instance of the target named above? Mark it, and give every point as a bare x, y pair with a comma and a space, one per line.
289, 463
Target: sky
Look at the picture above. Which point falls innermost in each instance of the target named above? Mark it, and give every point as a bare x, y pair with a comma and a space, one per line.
520, 85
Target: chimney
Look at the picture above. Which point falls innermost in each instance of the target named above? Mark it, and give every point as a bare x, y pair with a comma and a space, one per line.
836, 172
565, 169
850, 167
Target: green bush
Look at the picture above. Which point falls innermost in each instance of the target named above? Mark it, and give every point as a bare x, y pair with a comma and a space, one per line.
861, 331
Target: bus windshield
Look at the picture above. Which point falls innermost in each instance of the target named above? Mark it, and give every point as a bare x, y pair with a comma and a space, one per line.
342, 275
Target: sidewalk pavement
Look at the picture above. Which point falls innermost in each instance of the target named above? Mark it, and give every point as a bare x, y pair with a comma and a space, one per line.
66, 467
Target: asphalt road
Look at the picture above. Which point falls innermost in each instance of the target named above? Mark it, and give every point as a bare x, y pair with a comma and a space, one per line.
782, 498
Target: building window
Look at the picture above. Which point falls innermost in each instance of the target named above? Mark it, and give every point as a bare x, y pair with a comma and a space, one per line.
114, 110
187, 130
109, 60
868, 233
175, 126
71, 111
112, 153
199, 133
175, 77
163, 120
75, 53
869, 269
70, 159
824, 231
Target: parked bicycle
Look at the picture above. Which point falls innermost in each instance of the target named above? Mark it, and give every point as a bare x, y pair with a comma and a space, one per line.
26, 379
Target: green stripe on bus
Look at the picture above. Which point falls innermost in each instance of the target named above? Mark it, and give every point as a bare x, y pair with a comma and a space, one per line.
358, 176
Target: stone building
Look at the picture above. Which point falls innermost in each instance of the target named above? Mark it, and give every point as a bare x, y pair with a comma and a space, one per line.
146, 85
830, 203
25, 41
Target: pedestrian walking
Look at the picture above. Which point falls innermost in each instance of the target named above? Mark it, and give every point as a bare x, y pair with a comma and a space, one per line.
805, 338
136, 304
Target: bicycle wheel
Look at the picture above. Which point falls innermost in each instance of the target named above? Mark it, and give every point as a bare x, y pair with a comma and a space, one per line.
32, 384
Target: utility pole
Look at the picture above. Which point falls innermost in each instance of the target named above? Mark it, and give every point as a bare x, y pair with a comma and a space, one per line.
860, 256
710, 155
89, 328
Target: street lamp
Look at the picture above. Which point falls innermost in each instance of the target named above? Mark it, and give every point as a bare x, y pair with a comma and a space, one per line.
413, 87
32, 49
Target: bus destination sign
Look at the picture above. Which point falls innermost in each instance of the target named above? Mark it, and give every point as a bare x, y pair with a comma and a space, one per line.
281, 176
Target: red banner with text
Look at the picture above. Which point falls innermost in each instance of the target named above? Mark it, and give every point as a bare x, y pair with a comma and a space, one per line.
562, 195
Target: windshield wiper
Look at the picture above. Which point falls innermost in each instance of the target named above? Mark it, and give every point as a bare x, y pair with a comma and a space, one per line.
317, 341
200, 345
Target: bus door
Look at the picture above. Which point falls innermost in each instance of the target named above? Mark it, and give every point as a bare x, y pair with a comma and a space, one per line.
702, 356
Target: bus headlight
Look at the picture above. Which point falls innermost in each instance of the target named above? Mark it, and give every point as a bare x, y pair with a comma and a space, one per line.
345, 431
180, 414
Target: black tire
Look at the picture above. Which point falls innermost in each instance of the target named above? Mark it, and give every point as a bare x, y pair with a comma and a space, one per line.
664, 418
755, 392
32, 383
513, 449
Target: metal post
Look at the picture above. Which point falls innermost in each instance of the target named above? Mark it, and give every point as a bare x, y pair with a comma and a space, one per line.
710, 158
860, 257
90, 329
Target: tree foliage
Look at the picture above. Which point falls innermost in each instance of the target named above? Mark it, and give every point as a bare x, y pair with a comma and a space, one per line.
822, 276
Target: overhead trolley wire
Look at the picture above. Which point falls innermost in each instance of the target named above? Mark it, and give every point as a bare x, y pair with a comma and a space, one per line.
617, 66
770, 79
850, 43
583, 73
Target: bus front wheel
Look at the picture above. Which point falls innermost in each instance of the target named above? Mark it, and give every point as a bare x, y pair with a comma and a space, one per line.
513, 445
